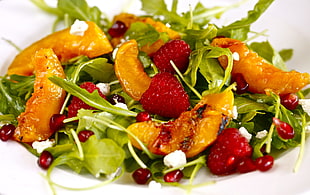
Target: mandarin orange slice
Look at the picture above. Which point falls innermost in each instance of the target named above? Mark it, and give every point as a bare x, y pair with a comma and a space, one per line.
66, 46
130, 71
192, 132
261, 76
46, 100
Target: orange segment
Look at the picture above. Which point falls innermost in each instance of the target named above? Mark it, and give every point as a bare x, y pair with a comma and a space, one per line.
66, 46
46, 100
130, 71
192, 132
260, 75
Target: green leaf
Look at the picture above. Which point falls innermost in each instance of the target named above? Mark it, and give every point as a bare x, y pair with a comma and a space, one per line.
92, 99
79, 9
239, 29
143, 33
100, 70
102, 156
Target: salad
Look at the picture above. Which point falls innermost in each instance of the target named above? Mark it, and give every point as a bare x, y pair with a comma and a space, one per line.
109, 135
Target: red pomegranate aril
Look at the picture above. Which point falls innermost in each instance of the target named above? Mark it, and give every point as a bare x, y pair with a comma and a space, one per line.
285, 130
173, 176
118, 29
264, 163
56, 121
115, 98
143, 116
289, 101
84, 135
142, 175
45, 159
246, 165
6, 132
242, 85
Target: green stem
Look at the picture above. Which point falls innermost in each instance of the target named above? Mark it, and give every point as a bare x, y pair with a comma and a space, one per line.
272, 127
302, 144
135, 156
78, 143
182, 78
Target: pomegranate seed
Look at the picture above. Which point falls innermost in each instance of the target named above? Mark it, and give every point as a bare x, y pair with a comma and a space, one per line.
115, 98
285, 130
6, 132
246, 165
143, 116
264, 163
118, 29
289, 101
242, 85
84, 135
56, 121
141, 175
173, 176
45, 159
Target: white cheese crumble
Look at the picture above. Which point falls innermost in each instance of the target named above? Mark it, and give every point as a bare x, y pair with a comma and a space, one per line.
78, 28
236, 56
154, 185
305, 104
261, 134
244, 132
121, 105
40, 146
104, 88
175, 159
234, 112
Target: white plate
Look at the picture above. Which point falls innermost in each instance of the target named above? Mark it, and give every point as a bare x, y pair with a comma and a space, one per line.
23, 23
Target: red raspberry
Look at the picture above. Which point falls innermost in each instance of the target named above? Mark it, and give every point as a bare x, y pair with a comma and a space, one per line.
228, 151
165, 96
76, 103
176, 50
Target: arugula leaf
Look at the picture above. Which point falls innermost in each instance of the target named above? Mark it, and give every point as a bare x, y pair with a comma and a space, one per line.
14, 92
78, 9
92, 99
239, 29
144, 34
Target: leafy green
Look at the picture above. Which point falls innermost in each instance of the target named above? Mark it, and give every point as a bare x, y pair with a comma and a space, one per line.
102, 156
14, 92
144, 34
92, 99
239, 29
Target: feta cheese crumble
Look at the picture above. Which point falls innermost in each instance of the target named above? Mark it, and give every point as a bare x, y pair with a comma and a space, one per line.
261, 134
234, 112
154, 185
121, 105
244, 132
236, 56
78, 28
175, 159
104, 88
40, 146
305, 104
